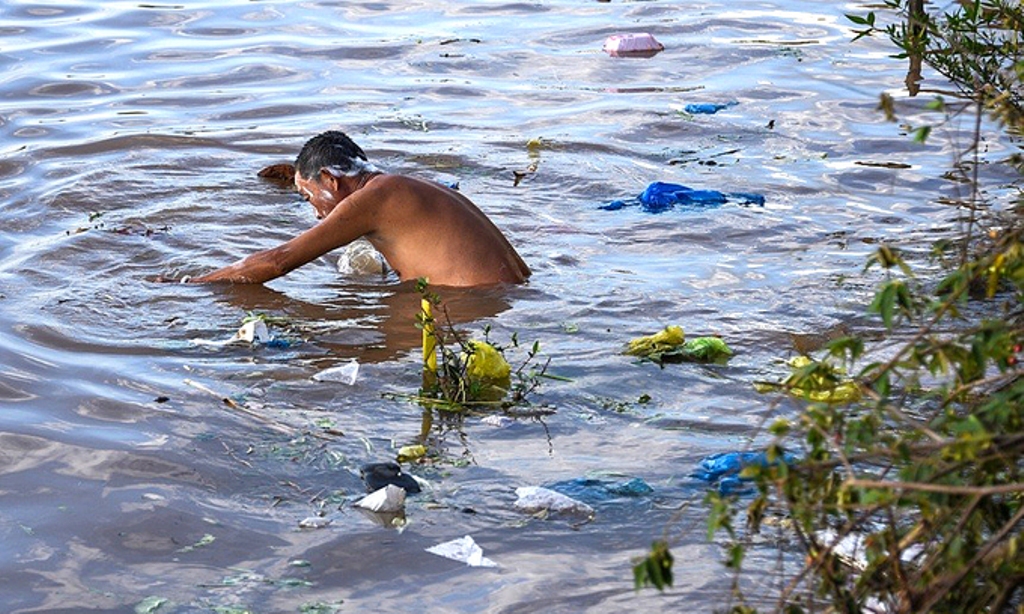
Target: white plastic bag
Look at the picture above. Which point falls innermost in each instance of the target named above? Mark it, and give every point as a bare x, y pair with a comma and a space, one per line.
346, 374
534, 499
463, 550
389, 499
253, 331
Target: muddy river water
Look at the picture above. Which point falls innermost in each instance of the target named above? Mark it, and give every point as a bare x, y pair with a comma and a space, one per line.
130, 135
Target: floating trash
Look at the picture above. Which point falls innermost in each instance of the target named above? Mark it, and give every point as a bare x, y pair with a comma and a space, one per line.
635, 45
314, 522
345, 374
815, 381
670, 345
593, 490
660, 196
390, 499
488, 369
537, 499
497, 421
410, 453
379, 475
722, 470
464, 550
708, 108
252, 332
361, 258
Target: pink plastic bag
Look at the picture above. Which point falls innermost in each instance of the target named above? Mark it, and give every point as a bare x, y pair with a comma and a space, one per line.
643, 45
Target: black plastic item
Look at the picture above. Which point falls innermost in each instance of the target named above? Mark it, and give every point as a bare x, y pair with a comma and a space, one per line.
379, 475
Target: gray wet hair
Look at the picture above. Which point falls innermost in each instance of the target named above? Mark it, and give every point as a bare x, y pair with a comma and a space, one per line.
334, 152
355, 167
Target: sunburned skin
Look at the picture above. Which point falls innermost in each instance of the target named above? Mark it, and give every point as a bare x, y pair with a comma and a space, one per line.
421, 228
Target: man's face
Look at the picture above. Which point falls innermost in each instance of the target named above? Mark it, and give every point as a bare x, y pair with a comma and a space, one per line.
317, 193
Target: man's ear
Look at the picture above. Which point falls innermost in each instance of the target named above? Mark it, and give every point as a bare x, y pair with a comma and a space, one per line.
329, 179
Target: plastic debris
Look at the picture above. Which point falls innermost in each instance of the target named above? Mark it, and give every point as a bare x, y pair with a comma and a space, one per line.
722, 470
253, 331
670, 345
824, 384
346, 374
670, 338
537, 499
702, 349
487, 363
411, 453
852, 548
379, 475
149, 605
314, 522
660, 196
638, 45
708, 108
497, 421
463, 550
389, 499
486, 367
361, 258
593, 490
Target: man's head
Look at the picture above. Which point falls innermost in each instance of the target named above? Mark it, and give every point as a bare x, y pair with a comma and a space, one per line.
332, 151
323, 164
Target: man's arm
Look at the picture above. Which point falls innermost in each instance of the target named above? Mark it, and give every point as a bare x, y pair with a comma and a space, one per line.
344, 225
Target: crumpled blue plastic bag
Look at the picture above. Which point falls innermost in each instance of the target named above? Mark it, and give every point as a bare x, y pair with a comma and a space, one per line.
707, 108
661, 196
592, 490
722, 470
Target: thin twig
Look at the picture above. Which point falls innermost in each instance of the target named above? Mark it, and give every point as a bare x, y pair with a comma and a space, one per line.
983, 491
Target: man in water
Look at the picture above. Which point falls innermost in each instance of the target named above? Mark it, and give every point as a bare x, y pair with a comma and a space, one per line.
422, 229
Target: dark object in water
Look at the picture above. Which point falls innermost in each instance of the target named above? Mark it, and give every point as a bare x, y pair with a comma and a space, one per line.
661, 196
379, 475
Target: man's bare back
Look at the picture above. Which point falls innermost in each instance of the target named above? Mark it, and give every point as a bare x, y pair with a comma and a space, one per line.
421, 228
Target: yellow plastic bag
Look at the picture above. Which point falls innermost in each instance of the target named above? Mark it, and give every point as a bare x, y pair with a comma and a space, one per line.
838, 388
668, 339
487, 368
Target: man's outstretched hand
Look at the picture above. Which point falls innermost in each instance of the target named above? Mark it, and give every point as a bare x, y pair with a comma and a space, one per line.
281, 174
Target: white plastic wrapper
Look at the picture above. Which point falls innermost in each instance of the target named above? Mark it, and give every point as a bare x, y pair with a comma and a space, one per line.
314, 522
463, 550
534, 499
255, 331
361, 258
389, 499
497, 421
346, 374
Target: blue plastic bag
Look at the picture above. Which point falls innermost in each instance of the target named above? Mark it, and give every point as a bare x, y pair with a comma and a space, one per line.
707, 108
592, 490
660, 196
722, 469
